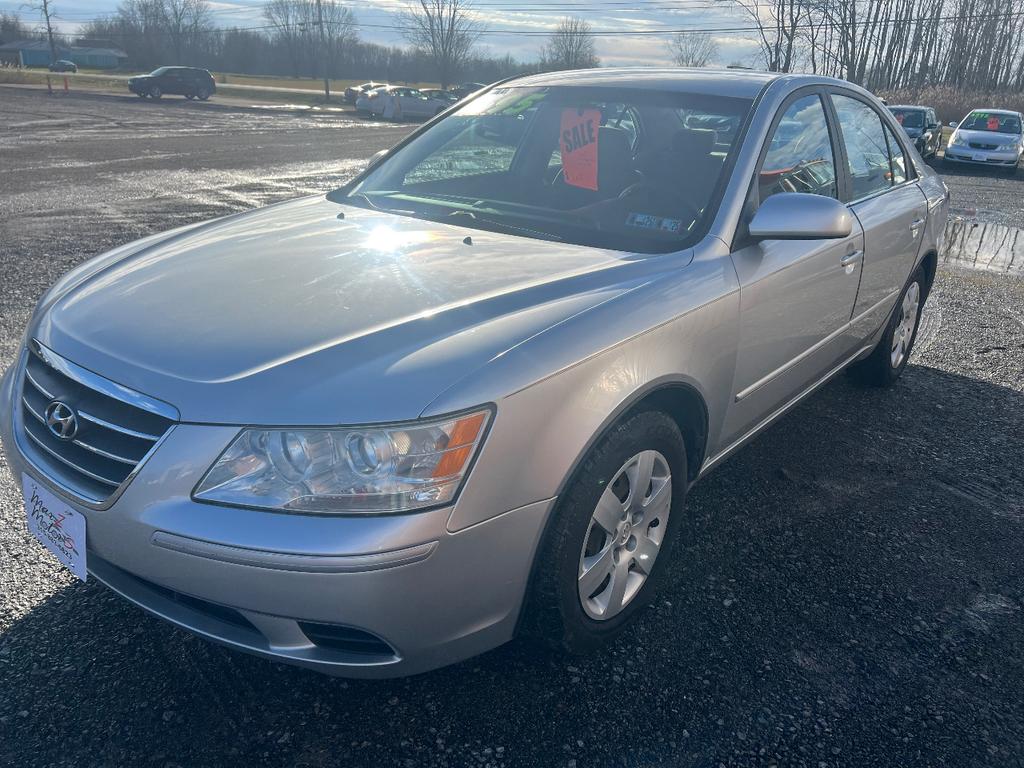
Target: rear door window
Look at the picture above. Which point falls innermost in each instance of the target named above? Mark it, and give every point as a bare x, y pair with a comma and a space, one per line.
867, 151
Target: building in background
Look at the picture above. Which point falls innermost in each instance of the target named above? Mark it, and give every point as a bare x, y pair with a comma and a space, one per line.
36, 53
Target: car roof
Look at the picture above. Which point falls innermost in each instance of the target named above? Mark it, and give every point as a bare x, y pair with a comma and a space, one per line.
908, 106
741, 83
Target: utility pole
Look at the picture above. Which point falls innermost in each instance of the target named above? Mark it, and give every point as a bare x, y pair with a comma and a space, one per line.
323, 49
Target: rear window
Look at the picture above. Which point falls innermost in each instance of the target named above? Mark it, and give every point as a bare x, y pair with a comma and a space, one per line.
626, 169
909, 118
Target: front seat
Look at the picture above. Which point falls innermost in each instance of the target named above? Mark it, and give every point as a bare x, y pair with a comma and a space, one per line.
615, 172
687, 168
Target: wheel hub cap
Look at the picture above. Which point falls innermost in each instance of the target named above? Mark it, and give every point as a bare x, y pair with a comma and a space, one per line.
625, 535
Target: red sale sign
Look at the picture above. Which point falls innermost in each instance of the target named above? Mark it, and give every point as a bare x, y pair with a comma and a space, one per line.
579, 132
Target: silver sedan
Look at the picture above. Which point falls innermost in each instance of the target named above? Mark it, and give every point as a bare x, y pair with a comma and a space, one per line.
381, 430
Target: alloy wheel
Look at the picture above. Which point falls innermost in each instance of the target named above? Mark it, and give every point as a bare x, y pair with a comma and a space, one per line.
904, 331
625, 535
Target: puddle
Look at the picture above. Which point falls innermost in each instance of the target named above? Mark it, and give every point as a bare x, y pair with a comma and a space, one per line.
980, 245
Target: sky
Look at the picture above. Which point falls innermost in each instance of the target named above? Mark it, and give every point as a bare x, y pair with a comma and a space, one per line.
631, 20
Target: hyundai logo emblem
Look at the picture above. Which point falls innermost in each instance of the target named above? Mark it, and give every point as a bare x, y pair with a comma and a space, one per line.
61, 420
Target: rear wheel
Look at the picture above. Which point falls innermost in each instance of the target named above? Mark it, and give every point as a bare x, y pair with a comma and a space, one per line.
155, 92
607, 547
203, 94
190, 96
885, 364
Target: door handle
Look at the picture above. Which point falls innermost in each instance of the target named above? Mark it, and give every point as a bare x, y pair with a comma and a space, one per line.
916, 225
849, 259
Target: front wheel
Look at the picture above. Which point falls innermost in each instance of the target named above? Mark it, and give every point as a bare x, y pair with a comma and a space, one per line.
885, 364
203, 94
155, 92
607, 547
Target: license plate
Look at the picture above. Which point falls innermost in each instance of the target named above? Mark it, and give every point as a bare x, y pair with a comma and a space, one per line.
60, 528
979, 158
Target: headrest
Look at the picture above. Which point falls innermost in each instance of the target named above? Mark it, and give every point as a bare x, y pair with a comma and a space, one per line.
694, 141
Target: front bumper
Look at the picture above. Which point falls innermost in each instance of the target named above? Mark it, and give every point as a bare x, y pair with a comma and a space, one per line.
359, 596
988, 157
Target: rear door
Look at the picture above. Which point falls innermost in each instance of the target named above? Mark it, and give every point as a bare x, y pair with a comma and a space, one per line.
882, 191
796, 296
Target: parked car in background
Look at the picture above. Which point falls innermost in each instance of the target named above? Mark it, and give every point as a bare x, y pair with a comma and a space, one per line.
353, 92
190, 82
384, 429
446, 97
920, 124
63, 65
394, 102
989, 137
463, 90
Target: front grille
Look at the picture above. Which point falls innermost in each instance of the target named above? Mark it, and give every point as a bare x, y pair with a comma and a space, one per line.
979, 145
113, 435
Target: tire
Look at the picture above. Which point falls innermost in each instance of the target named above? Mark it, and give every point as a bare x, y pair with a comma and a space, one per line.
203, 94
885, 364
142, 94
155, 92
557, 613
190, 96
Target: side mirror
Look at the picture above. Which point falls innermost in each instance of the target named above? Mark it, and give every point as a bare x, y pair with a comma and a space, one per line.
932, 126
801, 216
376, 158
952, 124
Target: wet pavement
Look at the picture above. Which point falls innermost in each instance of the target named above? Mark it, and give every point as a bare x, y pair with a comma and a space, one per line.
854, 596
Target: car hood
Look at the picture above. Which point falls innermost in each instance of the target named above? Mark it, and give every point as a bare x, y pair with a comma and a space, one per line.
988, 137
309, 312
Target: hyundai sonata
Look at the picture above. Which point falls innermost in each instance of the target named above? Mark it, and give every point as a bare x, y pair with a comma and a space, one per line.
464, 396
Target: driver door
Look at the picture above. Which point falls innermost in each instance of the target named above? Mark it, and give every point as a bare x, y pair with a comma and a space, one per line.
796, 296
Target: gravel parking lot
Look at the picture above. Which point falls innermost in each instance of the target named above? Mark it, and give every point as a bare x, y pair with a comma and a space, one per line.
854, 597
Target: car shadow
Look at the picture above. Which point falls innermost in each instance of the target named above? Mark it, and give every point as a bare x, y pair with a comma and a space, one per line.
853, 594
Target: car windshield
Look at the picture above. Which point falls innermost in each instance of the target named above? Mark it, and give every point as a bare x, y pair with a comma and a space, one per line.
909, 118
632, 170
997, 122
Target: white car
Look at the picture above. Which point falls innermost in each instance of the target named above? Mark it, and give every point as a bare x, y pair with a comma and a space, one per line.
394, 102
989, 137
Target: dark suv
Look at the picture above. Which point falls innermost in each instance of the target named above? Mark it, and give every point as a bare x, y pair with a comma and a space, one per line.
921, 125
189, 82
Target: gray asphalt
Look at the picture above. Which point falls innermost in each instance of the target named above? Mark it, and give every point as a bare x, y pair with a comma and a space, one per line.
854, 597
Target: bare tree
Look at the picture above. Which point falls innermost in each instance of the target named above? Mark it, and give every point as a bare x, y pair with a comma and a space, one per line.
692, 49
45, 7
183, 22
445, 30
571, 46
285, 16
777, 23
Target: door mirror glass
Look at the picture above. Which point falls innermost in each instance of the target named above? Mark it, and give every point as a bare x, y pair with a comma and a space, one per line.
800, 216
952, 123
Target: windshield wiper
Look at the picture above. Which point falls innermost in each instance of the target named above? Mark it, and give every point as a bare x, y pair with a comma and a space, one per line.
502, 226
375, 207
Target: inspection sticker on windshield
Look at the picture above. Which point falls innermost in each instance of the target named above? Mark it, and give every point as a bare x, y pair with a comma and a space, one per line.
60, 528
579, 132
647, 221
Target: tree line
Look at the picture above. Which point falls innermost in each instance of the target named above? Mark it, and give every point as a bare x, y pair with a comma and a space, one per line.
885, 45
889, 45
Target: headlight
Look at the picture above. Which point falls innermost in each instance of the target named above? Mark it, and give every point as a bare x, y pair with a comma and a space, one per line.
1011, 147
957, 139
396, 468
